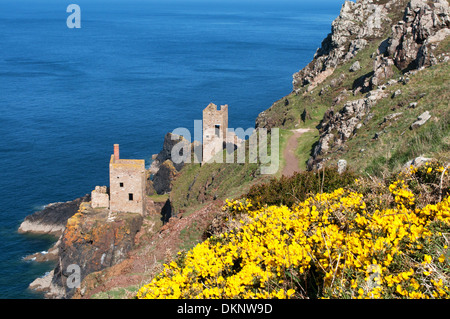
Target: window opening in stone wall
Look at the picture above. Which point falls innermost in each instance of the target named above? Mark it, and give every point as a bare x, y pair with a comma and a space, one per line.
217, 127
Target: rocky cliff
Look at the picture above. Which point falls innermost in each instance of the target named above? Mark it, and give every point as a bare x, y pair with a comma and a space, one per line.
53, 218
163, 168
356, 78
91, 241
351, 32
409, 47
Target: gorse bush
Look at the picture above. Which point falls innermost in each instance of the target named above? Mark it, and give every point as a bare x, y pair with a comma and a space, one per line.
290, 190
338, 244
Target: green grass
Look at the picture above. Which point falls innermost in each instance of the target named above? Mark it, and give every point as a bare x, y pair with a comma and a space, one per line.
191, 236
305, 145
117, 293
284, 137
399, 143
158, 198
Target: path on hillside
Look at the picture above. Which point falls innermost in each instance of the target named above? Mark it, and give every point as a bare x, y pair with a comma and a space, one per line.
289, 152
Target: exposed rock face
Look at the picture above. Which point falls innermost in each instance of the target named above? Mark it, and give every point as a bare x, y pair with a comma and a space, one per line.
170, 140
425, 23
53, 218
92, 243
163, 178
336, 128
356, 23
164, 168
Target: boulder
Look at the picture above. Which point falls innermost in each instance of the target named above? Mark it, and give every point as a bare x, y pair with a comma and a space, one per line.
421, 120
355, 67
341, 166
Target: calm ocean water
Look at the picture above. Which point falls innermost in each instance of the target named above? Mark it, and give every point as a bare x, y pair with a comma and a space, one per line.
133, 72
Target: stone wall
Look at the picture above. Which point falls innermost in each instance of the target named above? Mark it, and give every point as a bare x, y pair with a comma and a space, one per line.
100, 197
215, 125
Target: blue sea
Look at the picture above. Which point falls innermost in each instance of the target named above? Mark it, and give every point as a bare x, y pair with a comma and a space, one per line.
134, 71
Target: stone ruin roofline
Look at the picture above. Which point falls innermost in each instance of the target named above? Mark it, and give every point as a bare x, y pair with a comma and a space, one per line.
131, 162
215, 108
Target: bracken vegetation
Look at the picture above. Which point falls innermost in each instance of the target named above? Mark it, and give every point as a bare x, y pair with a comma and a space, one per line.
371, 239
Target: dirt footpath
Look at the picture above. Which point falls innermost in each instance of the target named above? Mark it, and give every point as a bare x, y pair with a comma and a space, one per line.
292, 164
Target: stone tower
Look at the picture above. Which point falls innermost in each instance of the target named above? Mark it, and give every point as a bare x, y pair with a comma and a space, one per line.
215, 126
126, 184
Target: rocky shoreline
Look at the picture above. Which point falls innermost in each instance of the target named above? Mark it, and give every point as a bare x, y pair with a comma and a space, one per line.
53, 218
89, 239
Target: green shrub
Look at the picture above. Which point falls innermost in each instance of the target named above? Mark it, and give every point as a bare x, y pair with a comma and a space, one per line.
289, 190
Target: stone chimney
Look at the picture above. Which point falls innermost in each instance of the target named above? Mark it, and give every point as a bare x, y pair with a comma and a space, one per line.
116, 152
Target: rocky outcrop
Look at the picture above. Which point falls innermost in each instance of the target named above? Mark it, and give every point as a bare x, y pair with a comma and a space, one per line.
410, 47
92, 242
336, 128
53, 218
424, 25
170, 140
43, 256
162, 180
164, 168
357, 23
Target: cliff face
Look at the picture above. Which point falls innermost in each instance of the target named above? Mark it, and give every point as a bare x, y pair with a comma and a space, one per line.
424, 25
91, 241
410, 47
163, 168
409, 42
351, 32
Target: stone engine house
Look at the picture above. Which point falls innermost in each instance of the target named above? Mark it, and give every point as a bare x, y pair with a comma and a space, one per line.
126, 186
215, 126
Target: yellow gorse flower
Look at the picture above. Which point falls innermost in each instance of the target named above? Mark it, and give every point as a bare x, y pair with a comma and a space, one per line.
353, 252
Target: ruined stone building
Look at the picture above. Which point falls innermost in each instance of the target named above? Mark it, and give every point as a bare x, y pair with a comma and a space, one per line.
216, 134
215, 125
126, 186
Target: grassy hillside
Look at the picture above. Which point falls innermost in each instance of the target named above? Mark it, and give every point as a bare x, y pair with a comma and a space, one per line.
397, 144
197, 184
